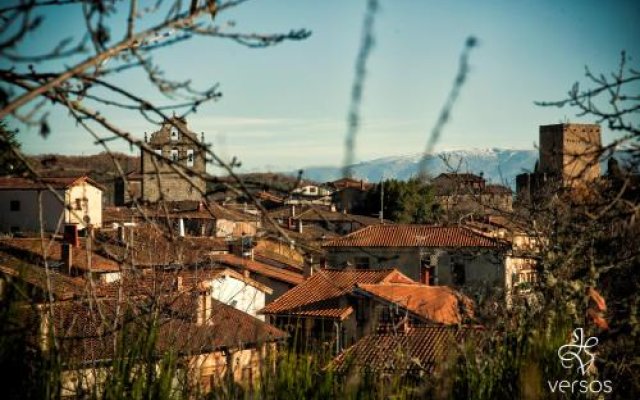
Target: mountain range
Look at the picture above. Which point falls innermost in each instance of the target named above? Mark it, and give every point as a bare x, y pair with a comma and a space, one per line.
496, 165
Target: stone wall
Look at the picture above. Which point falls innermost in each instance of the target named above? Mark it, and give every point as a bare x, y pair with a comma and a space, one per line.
160, 180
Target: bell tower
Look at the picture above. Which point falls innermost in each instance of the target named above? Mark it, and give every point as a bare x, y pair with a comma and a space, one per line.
160, 178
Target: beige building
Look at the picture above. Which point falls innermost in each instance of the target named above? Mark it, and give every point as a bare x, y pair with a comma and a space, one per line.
50, 202
160, 179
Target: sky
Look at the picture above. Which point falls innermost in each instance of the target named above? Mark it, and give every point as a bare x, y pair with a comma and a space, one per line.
285, 107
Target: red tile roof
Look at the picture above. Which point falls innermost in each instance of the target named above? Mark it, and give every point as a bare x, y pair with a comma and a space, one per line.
154, 282
412, 236
439, 304
18, 183
85, 332
31, 249
256, 267
151, 247
320, 294
418, 350
62, 287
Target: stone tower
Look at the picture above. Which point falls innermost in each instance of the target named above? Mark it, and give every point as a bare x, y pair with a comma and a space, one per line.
570, 153
175, 141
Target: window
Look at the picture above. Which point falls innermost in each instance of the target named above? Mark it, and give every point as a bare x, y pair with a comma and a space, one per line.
190, 158
458, 272
78, 204
361, 262
174, 155
175, 135
14, 205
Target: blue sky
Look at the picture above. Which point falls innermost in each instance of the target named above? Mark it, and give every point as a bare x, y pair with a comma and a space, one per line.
285, 107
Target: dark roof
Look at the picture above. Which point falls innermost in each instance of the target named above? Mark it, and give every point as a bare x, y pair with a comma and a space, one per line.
320, 294
497, 189
318, 215
412, 236
461, 177
420, 349
343, 183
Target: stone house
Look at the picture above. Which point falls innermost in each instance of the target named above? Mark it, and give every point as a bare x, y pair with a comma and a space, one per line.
434, 255
466, 193
337, 307
74, 200
349, 194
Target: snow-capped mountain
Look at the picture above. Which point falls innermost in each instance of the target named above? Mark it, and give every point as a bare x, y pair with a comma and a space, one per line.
497, 165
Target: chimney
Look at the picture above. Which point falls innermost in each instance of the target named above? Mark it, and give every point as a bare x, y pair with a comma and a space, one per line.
292, 211
178, 284
181, 227
66, 252
299, 226
246, 273
121, 237
307, 269
200, 206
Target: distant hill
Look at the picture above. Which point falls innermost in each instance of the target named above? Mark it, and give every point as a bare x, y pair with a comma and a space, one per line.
497, 165
99, 167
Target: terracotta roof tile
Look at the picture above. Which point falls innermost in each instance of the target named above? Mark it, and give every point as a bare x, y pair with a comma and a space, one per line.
151, 247
418, 350
439, 304
31, 249
85, 334
62, 287
412, 236
155, 282
320, 294
18, 183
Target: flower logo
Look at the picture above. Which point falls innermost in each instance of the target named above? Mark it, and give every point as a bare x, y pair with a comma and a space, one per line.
578, 351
